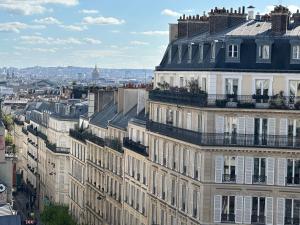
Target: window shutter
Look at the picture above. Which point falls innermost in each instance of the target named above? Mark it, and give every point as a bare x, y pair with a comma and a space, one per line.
192, 163
217, 208
167, 154
281, 172
190, 202
181, 160
199, 166
249, 125
248, 170
247, 209
241, 130
189, 121
280, 211
271, 131
240, 169
180, 195
219, 124
283, 126
270, 171
269, 211
180, 119
160, 151
168, 188
219, 168
238, 209
163, 115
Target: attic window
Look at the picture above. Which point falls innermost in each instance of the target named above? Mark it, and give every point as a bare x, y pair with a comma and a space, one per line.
200, 53
213, 51
190, 52
179, 53
264, 51
233, 51
296, 52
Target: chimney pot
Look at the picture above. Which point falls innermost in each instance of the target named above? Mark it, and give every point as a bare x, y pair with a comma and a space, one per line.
243, 10
231, 10
239, 10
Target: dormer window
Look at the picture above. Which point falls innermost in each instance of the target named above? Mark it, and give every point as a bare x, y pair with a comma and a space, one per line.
190, 53
296, 52
179, 53
233, 51
170, 55
264, 52
200, 53
213, 51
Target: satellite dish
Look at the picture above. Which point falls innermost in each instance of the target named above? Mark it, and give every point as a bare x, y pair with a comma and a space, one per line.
2, 188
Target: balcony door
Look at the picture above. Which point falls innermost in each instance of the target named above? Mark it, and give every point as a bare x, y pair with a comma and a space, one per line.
231, 130
293, 172
258, 210
262, 88
292, 211
259, 170
294, 132
294, 88
228, 209
229, 169
231, 86
260, 131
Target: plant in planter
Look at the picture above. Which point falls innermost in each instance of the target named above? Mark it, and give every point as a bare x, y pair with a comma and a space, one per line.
278, 101
297, 105
247, 105
231, 96
163, 86
221, 103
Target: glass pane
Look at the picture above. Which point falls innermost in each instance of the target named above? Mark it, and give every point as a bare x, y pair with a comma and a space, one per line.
254, 206
256, 166
261, 206
263, 167
231, 204
225, 205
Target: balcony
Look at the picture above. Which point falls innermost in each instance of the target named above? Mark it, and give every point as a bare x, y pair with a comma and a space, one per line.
292, 181
229, 178
78, 135
18, 122
24, 130
291, 221
202, 99
259, 220
55, 149
213, 139
135, 146
259, 179
228, 218
32, 130
114, 144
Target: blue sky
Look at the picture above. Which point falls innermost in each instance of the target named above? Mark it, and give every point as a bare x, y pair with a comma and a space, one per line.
110, 33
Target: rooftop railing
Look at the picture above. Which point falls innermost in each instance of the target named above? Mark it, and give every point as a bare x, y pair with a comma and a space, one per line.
114, 144
135, 146
56, 149
32, 130
225, 139
203, 99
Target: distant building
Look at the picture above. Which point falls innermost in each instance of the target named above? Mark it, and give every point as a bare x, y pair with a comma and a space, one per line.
95, 73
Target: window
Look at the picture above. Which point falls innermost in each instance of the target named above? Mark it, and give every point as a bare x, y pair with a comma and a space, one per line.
233, 51
230, 129
154, 182
190, 53
258, 210
169, 116
179, 53
213, 51
229, 169
162, 217
200, 53
260, 131
203, 84
163, 185
296, 52
231, 86
294, 87
181, 82
173, 192
262, 90
292, 211
183, 197
264, 51
228, 206
170, 55
195, 203
199, 122
293, 172
259, 173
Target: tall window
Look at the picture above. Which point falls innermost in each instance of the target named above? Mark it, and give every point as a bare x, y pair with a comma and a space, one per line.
183, 197
195, 203
154, 182
294, 87
190, 53
258, 210
231, 129
293, 171
262, 87
163, 185
259, 173
231, 86
200, 53
232, 51
229, 169
213, 51
292, 211
264, 51
173, 192
179, 53
260, 131
169, 116
228, 206
296, 52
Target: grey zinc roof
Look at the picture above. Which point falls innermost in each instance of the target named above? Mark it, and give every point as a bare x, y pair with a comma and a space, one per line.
10, 220
121, 120
102, 118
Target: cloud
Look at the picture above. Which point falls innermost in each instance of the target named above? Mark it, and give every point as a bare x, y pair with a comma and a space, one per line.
49, 40
44, 50
152, 33
102, 21
30, 7
47, 21
169, 12
73, 27
92, 41
139, 43
269, 8
17, 27
89, 11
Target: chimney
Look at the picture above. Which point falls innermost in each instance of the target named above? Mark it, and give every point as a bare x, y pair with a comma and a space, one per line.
192, 25
173, 32
221, 19
280, 19
251, 12
296, 18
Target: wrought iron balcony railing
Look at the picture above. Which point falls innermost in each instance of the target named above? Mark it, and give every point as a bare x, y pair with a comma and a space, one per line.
259, 179
229, 178
291, 221
135, 146
228, 218
292, 180
203, 99
259, 220
224, 139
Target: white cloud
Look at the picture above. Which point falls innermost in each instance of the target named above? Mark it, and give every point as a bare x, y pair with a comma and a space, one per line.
152, 33
47, 21
17, 27
102, 21
139, 43
73, 27
49, 40
92, 41
44, 50
30, 7
89, 11
169, 12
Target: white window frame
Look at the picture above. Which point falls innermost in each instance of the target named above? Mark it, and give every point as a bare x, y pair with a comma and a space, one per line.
296, 52
264, 51
233, 51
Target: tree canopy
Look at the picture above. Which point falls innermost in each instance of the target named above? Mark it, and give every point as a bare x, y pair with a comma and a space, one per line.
56, 215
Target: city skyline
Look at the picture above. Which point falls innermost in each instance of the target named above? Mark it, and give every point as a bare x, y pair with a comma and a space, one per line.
85, 33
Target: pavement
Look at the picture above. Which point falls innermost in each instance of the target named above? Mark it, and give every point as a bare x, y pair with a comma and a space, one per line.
21, 204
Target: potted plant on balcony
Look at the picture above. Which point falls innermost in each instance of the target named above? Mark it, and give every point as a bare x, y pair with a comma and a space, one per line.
278, 101
261, 100
163, 86
297, 105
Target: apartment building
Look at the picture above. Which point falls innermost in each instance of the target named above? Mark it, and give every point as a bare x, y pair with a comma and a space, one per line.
223, 121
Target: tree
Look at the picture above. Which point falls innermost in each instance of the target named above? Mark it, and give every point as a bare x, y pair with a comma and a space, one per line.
56, 215
8, 122
8, 139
